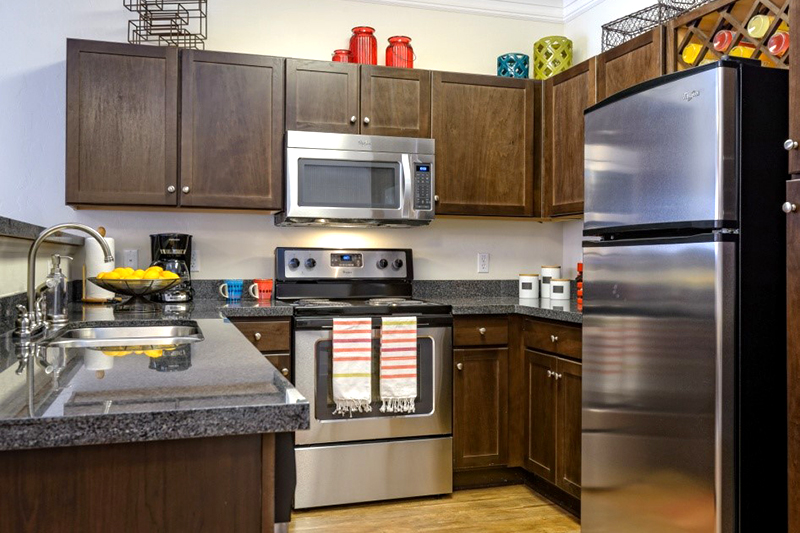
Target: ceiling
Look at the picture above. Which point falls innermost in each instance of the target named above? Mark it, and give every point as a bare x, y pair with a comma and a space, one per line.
557, 11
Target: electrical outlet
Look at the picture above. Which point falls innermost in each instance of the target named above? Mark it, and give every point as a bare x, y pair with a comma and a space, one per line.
483, 263
195, 259
131, 258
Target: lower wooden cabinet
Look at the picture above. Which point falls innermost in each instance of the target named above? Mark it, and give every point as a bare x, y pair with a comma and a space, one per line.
553, 420
273, 338
480, 409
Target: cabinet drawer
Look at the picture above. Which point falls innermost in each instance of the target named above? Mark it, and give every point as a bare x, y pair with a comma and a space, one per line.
283, 362
554, 338
480, 331
267, 335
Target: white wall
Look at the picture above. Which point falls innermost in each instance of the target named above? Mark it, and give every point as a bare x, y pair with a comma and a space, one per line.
585, 30
32, 118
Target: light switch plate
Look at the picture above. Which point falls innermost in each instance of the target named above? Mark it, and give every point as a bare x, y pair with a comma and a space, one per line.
131, 258
483, 263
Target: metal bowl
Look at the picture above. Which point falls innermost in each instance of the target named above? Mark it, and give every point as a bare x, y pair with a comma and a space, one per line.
135, 287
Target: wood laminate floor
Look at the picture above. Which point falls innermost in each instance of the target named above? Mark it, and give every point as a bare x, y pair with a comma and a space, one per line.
502, 509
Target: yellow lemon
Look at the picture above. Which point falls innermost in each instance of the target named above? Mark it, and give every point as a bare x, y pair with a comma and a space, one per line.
153, 353
100, 275
112, 275
139, 274
169, 275
151, 274
129, 270
156, 268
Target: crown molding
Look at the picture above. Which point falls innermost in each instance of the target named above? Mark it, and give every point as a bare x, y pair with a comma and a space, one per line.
553, 11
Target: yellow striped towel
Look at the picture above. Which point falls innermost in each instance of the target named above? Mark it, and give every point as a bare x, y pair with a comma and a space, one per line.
352, 365
398, 364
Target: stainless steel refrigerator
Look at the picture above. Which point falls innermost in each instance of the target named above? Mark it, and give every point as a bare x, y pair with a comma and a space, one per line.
684, 352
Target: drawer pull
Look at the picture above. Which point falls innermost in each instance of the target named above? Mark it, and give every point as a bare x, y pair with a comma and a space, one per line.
460, 366
285, 372
257, 336
482, 331
554, 338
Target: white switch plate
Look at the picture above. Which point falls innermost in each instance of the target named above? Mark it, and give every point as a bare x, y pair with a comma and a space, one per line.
195, 259
131, 258
483, 263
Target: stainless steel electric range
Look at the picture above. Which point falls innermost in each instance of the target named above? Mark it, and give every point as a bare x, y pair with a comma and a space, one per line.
371, 455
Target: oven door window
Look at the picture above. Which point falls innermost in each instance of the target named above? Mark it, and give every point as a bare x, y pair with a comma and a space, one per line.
349, 184
324, 393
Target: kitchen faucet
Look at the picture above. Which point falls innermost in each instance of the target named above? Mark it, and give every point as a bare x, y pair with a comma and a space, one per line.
30, 320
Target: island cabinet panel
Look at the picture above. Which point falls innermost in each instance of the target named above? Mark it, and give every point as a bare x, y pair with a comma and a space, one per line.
566, 97
232, 108
540, 427
203, 485
631, 63
480, 415
395, 102
793, 350
122, 124
322, 96
484, 132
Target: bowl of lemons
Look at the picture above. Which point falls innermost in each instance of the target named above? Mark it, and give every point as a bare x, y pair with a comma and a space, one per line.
137, 284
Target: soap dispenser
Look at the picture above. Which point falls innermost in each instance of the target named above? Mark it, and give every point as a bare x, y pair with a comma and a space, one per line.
56, 291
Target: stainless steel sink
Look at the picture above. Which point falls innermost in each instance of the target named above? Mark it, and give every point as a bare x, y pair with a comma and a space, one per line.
106, 336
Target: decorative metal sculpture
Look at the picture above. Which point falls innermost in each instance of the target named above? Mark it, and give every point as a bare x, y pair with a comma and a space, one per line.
626, 28
168, 22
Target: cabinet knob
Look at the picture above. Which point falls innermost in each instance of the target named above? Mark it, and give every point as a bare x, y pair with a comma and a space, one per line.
554, 338
460, 366
789, 207
789, 145
185, 189
171, 189
366, 120
558, 376
285, 372
353, 119
436, 198
550, 373
257, 336
482, 331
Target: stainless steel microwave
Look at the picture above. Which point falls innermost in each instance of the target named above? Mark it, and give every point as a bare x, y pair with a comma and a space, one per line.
338, 179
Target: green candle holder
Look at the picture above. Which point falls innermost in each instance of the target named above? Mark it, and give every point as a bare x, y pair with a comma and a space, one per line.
551, 55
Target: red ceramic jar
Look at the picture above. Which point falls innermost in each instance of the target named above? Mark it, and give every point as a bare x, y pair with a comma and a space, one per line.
399, 52
364, 46
342, 56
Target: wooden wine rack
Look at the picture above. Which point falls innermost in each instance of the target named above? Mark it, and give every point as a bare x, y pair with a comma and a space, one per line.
700, 25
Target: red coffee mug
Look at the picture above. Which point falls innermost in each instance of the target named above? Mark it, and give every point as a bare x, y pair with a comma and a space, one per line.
261, 289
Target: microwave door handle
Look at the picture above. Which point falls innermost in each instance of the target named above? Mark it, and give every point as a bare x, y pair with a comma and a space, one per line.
407, 179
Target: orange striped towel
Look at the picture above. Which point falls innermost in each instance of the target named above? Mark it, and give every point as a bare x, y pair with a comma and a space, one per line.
398, 364
352, 365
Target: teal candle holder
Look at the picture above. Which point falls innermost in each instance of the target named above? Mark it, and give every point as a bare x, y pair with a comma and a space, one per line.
513, 65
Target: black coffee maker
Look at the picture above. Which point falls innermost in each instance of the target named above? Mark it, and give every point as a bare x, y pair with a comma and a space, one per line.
173, 252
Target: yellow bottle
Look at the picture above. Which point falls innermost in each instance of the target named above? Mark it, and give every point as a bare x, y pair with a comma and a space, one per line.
759, 24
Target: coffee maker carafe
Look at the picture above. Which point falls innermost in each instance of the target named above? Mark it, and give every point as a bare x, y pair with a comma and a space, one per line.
173, 252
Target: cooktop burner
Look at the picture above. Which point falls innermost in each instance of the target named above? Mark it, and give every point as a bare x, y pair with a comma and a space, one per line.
368, 307
321, 302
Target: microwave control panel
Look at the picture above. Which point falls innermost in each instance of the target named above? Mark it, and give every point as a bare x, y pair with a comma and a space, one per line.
423, 194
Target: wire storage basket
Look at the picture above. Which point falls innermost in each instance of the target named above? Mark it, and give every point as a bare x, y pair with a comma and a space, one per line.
626, 28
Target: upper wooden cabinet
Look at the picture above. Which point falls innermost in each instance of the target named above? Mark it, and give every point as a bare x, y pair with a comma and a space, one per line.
631, 63
483, 127
231, 130
567, 95
348, 98
122, 124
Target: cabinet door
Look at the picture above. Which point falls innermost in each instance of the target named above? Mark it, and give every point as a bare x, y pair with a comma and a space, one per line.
231, 130
568, 427
480, 407
566, 97
631, 63
322, 96
794, 88
122, 124
395, 101
793, 350
483, 127
540, 426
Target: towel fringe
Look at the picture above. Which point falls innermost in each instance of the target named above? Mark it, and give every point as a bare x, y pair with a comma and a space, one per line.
398, 405
345, 407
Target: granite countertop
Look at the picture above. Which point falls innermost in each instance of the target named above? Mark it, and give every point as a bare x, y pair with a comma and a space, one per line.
218, 386
563, 310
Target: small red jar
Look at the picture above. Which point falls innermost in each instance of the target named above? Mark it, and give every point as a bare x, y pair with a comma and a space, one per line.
399, 52
364, 46
342, 56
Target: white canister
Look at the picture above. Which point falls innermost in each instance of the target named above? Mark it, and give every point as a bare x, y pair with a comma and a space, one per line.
548, 273
529, 285
559, 289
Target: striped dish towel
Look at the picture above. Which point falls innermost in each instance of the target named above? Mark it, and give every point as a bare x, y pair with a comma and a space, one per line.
398, 364
352, 365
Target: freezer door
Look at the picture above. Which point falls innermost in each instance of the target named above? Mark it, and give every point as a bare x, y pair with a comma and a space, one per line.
664, 156
658, 378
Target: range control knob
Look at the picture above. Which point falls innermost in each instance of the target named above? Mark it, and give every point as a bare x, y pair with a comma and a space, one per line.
383, 263
311, 263
398, 264
294, 262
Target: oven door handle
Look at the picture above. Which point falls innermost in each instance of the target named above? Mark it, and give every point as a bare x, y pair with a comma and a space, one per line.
436, 321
